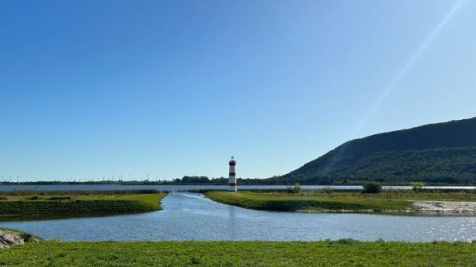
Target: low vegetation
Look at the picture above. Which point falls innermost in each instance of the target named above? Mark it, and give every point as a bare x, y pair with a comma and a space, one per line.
417, 186
345, 252
34, 205
336, 201
372, 188
295, 189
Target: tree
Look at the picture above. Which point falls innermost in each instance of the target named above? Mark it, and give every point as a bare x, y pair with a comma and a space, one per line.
295, 189
372, 188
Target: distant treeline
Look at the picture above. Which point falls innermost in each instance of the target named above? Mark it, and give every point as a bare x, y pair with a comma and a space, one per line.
221, 181
186, 180
429, 178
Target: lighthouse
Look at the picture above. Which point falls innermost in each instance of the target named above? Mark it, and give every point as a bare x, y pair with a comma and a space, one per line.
232, 178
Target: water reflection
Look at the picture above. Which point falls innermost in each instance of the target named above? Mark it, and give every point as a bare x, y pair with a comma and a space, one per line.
232, 222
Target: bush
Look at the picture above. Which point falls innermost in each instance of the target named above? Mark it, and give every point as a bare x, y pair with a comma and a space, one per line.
347, 241
327, 190
195, 260
59, 198
295, 189
26, 237
34, 198
372, 188
417, 186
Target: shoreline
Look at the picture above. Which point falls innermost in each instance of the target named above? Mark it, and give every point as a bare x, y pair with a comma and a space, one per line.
446, 207
393, 203
450, 208
40, 205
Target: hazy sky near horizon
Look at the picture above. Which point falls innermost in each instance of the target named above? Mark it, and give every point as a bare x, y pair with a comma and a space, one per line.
171, 88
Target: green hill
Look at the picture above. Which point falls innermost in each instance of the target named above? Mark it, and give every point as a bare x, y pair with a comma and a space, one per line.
442, 153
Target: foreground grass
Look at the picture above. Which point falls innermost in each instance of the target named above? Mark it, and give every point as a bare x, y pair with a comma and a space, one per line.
324, 253
36, 205
321, 201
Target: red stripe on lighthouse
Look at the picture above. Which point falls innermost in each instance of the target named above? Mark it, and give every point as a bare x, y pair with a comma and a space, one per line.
232, 174
232, 184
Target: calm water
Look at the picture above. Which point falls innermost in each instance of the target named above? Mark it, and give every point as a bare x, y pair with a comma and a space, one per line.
188, 216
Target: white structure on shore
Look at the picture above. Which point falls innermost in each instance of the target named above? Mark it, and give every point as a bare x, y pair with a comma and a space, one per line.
232, 178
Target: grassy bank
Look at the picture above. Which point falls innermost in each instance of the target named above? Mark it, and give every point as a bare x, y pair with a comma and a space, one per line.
35, 205
335, 201
325, 253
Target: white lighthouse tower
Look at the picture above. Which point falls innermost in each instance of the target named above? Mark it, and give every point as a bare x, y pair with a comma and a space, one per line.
232, 178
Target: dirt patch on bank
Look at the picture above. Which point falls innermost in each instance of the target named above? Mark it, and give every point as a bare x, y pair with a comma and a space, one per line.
447, 207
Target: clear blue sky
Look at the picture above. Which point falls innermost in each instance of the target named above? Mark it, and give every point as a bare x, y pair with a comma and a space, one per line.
171, 88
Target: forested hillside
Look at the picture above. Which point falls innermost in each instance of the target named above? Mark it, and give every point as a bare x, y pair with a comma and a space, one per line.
442, 153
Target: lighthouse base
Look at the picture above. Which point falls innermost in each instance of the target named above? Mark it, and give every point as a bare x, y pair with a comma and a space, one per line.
232, 187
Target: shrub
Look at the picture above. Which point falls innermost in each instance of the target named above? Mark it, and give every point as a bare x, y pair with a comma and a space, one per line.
295, 189
34, 198
347, 241
327, 190
26, 237
417, 186
372, 188
195, 260
59, 198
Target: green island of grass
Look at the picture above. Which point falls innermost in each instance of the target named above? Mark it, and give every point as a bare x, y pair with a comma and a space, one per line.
38, 205
391, 201
253, 253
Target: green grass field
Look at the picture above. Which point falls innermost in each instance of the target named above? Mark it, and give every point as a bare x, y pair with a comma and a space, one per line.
386, 201
36, 205
324, 253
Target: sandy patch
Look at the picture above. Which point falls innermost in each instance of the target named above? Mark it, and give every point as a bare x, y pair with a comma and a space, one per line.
445, 207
